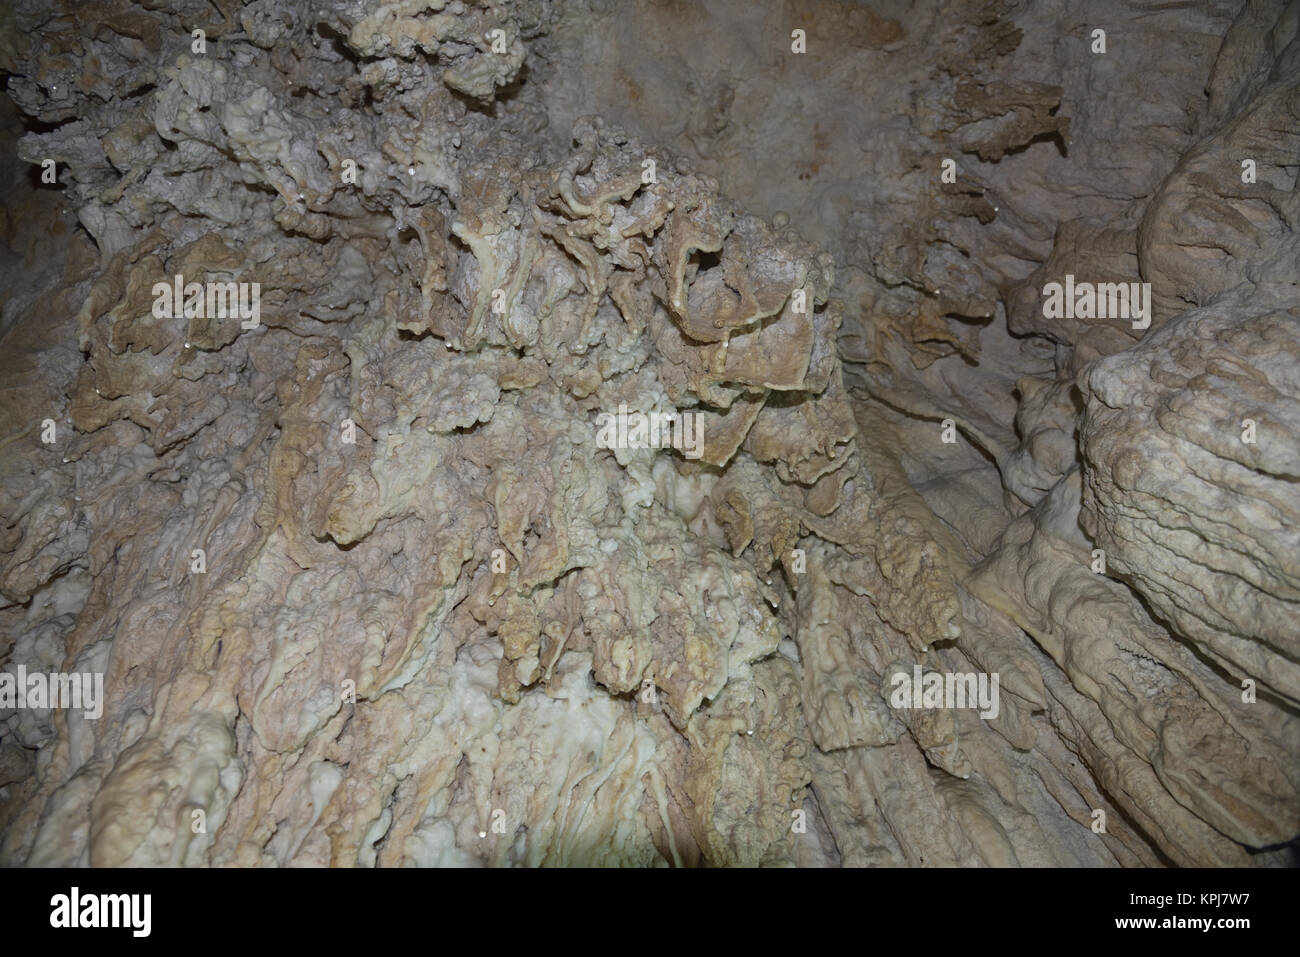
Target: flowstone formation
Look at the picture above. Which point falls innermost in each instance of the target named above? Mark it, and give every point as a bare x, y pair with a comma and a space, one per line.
446, 460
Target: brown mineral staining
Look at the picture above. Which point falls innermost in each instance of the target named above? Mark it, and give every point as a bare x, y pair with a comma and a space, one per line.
365, 587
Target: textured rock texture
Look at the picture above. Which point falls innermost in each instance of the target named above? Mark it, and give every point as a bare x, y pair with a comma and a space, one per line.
366, 587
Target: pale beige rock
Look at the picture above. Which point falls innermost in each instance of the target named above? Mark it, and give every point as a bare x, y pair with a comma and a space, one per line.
435, 622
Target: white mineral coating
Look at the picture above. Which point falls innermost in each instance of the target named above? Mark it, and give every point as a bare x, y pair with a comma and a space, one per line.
434, 620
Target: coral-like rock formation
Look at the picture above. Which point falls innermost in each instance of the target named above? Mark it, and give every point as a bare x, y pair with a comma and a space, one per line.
519, 485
